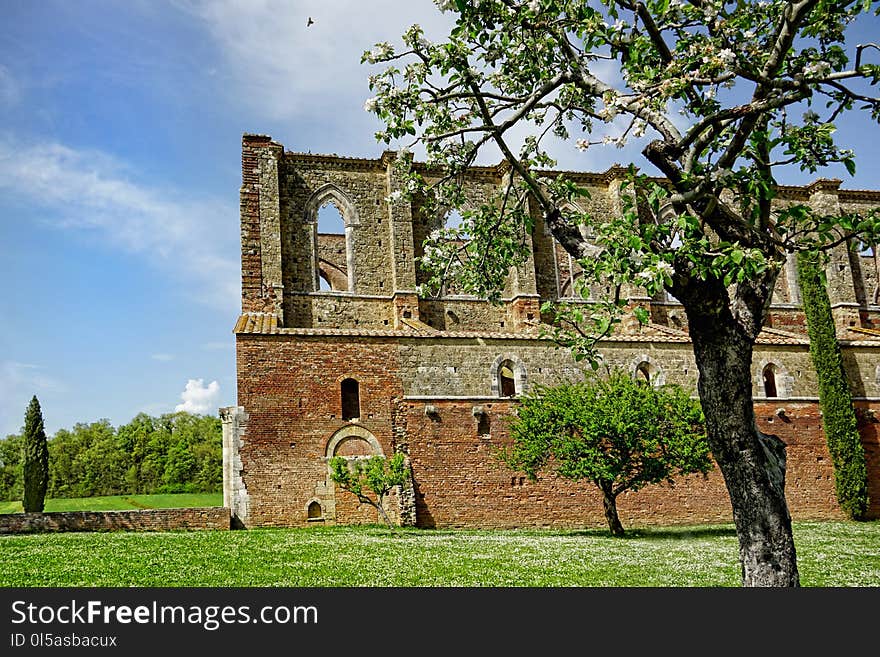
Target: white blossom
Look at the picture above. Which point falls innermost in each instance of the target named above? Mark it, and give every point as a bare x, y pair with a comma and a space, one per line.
582, 144
371, 104
445, 5
535, 6
817, 69
665, 268
727, 57
395, 197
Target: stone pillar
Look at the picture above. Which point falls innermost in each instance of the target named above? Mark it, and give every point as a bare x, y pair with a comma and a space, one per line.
403, 273
524, 307
841, 287
235, 496
635, 294
262, 289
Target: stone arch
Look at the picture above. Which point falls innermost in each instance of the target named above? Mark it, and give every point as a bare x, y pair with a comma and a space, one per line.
352, 434
645, 367
351, 442
516, 367
770, 373
330, 193
336, 278
314, 510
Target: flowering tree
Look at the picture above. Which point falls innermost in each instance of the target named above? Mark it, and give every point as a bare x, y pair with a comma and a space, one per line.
720, 95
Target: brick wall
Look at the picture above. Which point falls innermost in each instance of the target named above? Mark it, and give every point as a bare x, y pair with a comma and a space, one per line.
291, 392
290, 389
141, 520
460, 483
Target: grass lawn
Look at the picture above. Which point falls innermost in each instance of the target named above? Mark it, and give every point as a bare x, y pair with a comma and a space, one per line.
838, 554
123, 502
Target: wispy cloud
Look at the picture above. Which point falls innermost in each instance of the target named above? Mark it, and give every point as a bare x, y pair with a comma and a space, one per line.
198, 397
217, 345
92, 191
164, 358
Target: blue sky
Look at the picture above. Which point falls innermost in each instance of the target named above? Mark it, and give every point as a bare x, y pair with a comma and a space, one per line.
120, 146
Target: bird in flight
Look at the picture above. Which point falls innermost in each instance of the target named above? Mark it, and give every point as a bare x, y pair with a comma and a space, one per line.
310, 22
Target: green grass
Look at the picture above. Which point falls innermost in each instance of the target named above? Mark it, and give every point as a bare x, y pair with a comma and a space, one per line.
839, 554
123, 502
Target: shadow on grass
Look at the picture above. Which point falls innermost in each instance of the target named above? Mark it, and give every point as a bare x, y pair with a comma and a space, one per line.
403, 533
661, 533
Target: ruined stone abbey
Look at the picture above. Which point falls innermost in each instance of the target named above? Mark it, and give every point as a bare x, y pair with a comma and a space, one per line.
338, 355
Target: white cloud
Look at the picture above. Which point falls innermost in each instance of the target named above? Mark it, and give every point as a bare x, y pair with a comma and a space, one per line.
91, 191
199, 398
162, 357
284, 69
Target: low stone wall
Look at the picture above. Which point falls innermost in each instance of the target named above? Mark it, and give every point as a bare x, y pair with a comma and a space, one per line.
141, 520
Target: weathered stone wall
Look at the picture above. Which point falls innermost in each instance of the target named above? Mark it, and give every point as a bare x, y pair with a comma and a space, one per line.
334, 310
142, 520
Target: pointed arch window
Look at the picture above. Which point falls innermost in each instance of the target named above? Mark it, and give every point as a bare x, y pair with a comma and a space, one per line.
769, 378
508, 376
333, 218
507, 379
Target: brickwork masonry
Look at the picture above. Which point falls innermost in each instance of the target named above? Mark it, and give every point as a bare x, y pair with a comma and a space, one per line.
141, 520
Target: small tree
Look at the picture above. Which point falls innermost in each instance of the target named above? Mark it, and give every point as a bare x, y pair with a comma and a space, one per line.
35, 464
376, 475
619, 433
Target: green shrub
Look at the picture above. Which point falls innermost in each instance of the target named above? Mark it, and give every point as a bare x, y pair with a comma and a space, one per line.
835, 399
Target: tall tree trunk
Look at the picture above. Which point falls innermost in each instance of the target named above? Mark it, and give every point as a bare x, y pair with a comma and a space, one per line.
609, 502
752, 463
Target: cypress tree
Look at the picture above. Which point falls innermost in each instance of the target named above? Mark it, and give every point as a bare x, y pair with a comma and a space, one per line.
35, 463
835, 398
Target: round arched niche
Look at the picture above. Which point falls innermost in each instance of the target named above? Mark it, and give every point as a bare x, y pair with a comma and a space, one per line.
353, 441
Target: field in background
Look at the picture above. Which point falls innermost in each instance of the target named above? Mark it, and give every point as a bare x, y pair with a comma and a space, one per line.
123, 502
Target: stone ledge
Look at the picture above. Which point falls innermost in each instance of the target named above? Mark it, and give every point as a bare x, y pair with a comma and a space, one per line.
139, 520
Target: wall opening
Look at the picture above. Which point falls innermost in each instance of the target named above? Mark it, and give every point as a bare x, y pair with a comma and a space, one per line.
643, 372
506, 379
315, 512
351, 400
331, 266
769, 378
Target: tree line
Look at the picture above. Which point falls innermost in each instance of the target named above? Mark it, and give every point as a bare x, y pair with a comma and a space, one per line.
172, 453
